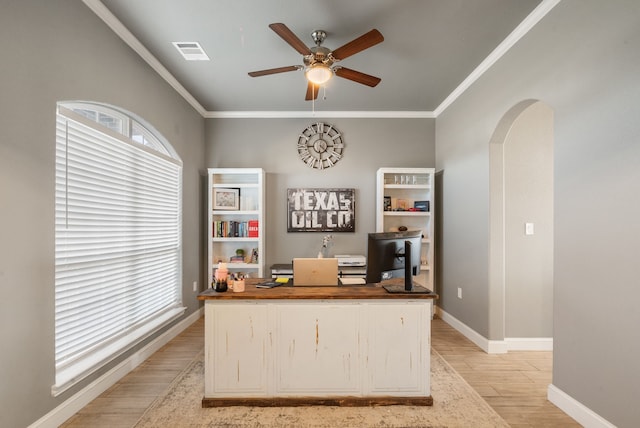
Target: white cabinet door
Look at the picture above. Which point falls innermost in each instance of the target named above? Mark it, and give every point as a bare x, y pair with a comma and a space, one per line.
237, 350
399, 349
317, 349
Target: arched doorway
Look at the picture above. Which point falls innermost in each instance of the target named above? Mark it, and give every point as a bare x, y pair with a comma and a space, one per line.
521, 227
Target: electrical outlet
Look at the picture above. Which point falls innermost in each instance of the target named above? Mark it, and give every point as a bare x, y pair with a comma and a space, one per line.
459, 293
195, 285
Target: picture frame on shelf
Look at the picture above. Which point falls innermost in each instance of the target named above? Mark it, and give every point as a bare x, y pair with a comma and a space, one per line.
226, 199
421, 205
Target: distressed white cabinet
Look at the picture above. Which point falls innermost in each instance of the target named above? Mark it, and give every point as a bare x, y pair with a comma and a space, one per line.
397, 348
331, 348
317, 349
236, 335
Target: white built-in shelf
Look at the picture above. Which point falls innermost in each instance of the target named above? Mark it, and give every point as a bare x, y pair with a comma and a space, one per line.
236, 185
407, 186
236, 212
403, 187
234, 239
233, 266
406, 213
251, 185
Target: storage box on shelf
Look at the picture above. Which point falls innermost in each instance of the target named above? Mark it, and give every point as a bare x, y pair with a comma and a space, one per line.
405, 199
235, 212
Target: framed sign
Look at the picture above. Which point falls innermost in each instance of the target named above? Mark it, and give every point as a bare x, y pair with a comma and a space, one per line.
226, 199
321, 210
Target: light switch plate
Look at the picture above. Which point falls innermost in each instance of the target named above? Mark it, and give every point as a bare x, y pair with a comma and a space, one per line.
528, 228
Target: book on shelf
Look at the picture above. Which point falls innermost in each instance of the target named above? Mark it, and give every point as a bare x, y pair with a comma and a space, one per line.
253, 228
235, 229
236, 259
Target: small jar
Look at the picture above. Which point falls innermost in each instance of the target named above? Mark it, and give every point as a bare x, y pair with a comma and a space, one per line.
238, 286
221, 285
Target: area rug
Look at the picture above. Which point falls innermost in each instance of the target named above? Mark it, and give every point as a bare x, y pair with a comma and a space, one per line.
455, 404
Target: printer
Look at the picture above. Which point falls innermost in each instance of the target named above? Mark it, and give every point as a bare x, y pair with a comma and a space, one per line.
349, 266
351, 260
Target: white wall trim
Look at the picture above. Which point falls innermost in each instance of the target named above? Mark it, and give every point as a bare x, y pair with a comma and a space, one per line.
75, 403
529, 343
114, 23
520, 31
488, 346
319, 114
496, 346
529, 22
578, 411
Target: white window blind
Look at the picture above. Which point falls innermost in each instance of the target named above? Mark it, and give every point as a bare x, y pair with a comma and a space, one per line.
117, 245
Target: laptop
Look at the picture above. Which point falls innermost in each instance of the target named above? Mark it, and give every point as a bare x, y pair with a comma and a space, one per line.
315, 272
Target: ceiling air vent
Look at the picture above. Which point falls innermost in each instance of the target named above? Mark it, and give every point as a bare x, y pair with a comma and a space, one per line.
191, 51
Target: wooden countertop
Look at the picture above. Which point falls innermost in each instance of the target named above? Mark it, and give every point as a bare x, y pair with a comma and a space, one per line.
287, 292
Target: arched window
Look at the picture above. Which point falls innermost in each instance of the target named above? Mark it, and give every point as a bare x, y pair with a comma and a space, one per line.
118, 261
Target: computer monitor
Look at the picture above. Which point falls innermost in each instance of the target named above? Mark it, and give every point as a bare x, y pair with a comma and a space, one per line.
394, 255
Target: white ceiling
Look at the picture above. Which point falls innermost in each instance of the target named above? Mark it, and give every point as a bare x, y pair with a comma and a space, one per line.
430, 48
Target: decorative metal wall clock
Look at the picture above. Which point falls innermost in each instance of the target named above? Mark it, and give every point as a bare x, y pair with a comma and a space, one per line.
320, 145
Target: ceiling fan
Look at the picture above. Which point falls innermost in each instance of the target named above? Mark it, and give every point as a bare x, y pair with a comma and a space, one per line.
320, 62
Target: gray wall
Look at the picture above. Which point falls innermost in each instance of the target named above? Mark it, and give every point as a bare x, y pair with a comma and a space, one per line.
52, 51
528, 182
583, 60
271, 144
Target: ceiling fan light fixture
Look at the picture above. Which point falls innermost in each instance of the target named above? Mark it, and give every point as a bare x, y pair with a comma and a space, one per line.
318, 74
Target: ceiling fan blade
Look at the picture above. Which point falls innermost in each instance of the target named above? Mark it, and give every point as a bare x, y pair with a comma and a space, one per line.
312, 91
288, 36
363, 42
273, 71
356, 76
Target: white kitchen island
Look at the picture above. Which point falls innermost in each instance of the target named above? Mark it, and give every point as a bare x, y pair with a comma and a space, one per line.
316, 345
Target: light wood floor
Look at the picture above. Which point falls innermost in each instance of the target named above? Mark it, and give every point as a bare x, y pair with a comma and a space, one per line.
514, 384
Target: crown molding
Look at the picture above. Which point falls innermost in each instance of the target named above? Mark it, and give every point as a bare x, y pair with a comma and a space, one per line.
114, 23
523, 28
319, 114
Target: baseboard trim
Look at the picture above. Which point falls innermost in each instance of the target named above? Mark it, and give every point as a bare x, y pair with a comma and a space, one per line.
578, 411
72, 405
529, 343
488, 346
496, 346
